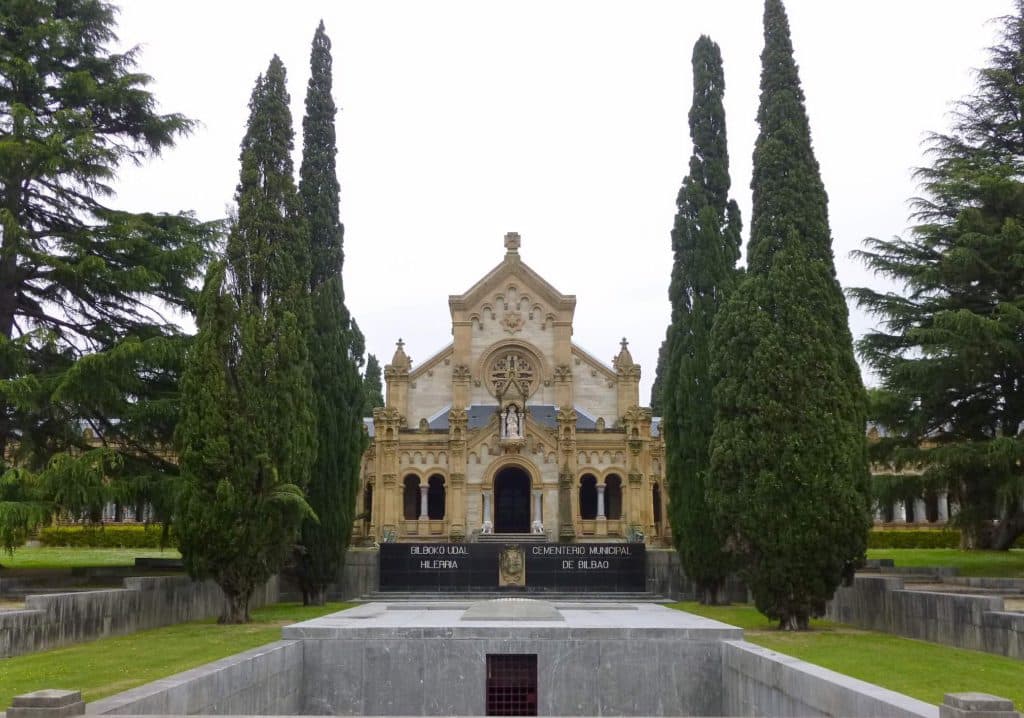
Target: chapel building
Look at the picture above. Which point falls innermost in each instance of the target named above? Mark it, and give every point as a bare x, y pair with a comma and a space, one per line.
512, 430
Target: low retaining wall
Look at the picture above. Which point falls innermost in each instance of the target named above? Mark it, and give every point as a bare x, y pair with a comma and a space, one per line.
388, 667
665, 577
54, 620
264, 681
954, 619
759, 682
359, 575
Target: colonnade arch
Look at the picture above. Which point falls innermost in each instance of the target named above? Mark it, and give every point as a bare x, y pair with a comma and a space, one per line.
600, 497
424, 497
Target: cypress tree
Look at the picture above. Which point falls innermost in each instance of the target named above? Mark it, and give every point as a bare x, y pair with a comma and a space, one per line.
337, 385
705, 241
950, 350
372, 387
246, 438
659, 377
789, 478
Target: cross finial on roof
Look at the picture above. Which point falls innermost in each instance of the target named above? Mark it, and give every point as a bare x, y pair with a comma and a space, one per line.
512, 242
401, 360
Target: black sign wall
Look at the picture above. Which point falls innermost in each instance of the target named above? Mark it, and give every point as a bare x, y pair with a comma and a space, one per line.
455, 567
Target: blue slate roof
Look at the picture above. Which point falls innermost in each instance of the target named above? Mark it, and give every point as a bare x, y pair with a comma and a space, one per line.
479, 415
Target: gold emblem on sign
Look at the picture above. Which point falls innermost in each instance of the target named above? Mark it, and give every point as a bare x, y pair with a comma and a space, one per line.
512, 567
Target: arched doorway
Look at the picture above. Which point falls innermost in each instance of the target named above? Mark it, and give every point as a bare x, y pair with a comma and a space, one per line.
512, 501
588, 497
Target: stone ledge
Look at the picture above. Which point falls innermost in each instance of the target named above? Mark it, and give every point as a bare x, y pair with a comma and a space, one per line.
976, 705
47, 703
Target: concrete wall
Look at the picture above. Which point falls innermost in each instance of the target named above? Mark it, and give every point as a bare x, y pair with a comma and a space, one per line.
264, 681
425, 672
665, 577
359, 575
975, 622
54, 620
759, 682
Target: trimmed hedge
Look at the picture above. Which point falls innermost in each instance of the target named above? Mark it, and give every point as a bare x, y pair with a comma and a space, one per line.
914, 538
119, 536
919, 538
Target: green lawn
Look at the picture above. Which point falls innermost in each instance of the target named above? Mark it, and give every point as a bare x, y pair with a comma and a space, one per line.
111, 665
60, 557
917, 668
971, 563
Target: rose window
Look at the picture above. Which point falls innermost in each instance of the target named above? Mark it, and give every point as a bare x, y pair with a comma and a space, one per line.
512, 374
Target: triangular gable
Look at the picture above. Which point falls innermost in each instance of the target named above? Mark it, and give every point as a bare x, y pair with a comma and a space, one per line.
593, 362
433, 361
496, 281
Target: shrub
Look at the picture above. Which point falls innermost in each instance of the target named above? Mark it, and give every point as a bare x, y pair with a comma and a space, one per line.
126, 536
914, 538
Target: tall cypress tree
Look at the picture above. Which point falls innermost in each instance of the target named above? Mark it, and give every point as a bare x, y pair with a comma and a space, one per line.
246, 438
705, 241
372, 387
789, 478
337, 385
951, 347
657, 390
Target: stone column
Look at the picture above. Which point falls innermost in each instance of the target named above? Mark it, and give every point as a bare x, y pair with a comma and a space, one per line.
47, 703
943, 507
487, 507
879, 515
920, 511
391, 505
899, 512
424, 488
538, 508
568, 508
600, 502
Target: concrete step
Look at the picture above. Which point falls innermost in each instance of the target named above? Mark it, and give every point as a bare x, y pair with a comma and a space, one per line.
462, 596
512, 538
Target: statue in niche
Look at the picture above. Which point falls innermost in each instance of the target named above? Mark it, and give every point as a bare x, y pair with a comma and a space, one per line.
513, 427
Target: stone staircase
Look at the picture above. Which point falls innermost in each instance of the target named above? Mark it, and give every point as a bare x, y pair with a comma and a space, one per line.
512, 538
555, 596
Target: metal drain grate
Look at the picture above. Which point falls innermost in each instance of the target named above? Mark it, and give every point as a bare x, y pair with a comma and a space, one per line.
512, 685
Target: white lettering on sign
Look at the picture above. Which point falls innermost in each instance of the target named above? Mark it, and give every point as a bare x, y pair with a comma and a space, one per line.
440, 550
587, 565
436, 564
610, 551
559, 550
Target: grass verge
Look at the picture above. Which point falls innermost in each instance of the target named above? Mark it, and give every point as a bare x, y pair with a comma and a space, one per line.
971, 563
64, 557
111, 665
923, 670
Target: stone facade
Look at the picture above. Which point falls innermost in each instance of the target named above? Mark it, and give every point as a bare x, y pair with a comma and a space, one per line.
513, 429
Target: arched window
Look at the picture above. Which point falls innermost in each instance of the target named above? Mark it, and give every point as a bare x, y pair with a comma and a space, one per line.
368, 502
435, 497
411, 497
588, 497
613, 496
656, 504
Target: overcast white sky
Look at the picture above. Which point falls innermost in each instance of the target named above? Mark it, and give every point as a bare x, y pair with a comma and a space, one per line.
563, 121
